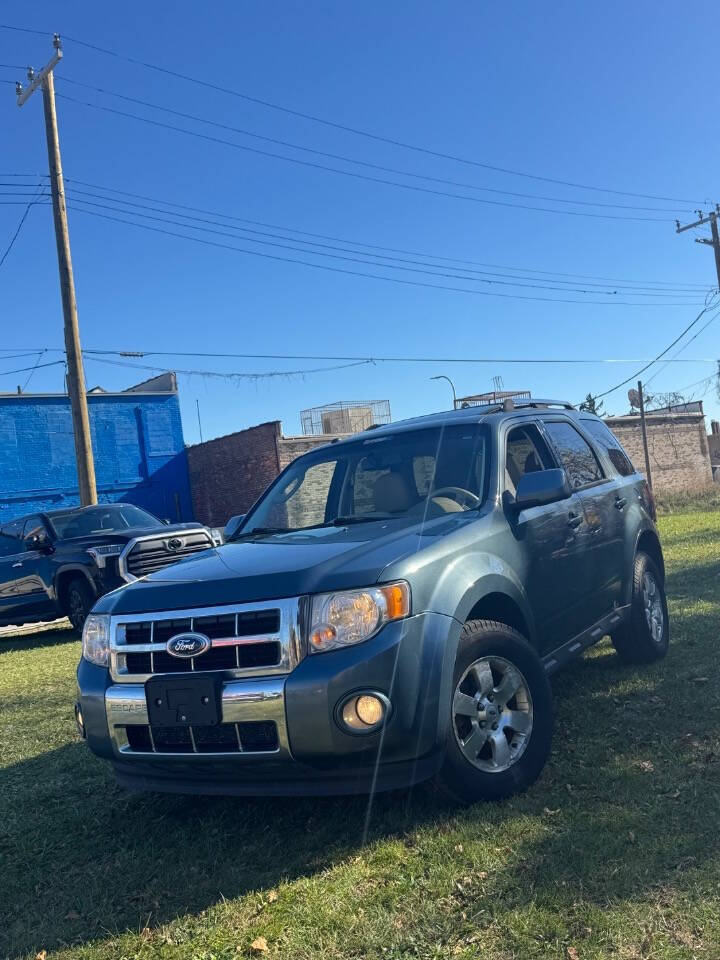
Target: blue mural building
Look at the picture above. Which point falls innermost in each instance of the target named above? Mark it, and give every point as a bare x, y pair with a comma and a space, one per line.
137, 441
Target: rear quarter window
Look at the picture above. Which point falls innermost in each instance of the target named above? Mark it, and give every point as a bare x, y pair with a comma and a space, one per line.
607, 441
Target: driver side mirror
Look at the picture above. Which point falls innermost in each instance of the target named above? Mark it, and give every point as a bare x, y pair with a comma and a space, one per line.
541, 487
233, 526
39, 542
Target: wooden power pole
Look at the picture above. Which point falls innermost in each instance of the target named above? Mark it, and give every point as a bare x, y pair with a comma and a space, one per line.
76, 375
712, 241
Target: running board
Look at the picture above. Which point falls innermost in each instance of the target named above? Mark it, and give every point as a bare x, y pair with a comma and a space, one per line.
573, 648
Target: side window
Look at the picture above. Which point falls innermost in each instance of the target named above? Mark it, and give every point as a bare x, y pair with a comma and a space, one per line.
33, 527
10, 537
603, 436
576, 454
525, 452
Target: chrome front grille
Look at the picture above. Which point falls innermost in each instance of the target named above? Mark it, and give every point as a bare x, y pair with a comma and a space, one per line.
245, 639
147, 554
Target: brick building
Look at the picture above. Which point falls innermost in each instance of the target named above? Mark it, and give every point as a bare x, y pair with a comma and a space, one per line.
228, 474
677, 444
137, 442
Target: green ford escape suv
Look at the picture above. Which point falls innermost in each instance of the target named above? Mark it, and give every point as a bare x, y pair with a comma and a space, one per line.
390, 610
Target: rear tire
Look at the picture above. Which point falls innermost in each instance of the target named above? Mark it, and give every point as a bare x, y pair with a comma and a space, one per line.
500, 725
645, 636
79, 599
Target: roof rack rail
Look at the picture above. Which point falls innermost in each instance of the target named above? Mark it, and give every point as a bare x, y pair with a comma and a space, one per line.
544, 404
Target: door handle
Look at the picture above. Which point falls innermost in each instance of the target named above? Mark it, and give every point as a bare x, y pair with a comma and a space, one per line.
575, 519
19, 564
620, 502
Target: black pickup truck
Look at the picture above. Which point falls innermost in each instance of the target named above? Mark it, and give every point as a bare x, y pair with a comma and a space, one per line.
58, 563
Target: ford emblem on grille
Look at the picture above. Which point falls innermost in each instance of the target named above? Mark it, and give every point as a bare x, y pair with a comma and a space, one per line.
188, 644
175, 543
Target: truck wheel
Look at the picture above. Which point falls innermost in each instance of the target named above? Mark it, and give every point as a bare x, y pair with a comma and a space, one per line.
500, 715
645, 636
79, 599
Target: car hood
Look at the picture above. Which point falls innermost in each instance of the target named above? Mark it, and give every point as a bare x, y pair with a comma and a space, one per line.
273, 568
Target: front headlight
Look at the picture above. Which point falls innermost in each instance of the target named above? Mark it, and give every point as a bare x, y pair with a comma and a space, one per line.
96, 639
101, 553
342, 619
217, 536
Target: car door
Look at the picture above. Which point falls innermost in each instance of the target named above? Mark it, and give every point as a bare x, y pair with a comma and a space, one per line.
11, 556
550, 537
33, 595
600, 564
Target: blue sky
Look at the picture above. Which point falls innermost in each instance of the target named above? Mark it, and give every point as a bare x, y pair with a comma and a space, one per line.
614, 95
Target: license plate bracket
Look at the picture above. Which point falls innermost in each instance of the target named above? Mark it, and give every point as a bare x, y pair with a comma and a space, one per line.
183, 701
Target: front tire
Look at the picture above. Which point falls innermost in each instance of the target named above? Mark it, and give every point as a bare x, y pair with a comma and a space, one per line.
500, 727
645, 636
79, 600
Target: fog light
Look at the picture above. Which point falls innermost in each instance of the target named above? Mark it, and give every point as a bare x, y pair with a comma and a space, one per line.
364, 712
79, 720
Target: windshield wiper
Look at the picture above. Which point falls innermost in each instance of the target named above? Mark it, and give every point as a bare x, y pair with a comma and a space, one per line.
346, 521
261, 531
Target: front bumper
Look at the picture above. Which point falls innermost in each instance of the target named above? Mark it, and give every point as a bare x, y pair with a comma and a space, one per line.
407, 662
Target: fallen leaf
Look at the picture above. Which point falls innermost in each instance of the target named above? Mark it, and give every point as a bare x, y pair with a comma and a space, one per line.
549, 812
631, 834
272, 896
458, 848
259, 945
41, 955
572, 953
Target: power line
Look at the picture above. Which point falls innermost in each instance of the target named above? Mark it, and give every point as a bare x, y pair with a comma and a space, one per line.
273, 374
51, 363
374, 166
504, 278
684, 347
419, 268
373, 246
358, 273
19, 227
351, 173
357, 131
667, 349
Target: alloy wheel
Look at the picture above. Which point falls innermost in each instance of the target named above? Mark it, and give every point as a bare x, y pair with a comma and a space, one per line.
492, 714
653, 605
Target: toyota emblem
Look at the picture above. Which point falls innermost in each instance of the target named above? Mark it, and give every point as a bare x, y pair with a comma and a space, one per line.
175, 543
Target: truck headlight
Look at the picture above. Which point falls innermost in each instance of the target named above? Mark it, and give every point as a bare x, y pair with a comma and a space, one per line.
217, 536
351, 616
101, 553
96, 639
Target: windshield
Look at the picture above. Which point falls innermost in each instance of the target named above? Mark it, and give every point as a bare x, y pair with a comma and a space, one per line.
94, 520
421, 474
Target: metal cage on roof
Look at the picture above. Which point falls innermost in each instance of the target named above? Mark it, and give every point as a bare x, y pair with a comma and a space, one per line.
345, 416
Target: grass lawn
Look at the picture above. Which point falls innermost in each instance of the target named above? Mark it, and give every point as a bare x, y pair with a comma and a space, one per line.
614, 853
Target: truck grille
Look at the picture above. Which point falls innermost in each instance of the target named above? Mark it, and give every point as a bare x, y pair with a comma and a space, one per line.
247, 639
250, 737
148, 555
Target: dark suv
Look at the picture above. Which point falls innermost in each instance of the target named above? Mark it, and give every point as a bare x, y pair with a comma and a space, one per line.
389, 610
58, 563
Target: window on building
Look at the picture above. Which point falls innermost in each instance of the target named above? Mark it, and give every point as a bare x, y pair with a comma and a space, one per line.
576, 454
606, 439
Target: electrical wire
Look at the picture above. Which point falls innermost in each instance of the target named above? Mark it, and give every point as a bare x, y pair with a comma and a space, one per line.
354, 174
364, 163
356, 130
14, 237
273, 374
667, 349
364, 275
50, 363
684, 347
420, 269
503, 277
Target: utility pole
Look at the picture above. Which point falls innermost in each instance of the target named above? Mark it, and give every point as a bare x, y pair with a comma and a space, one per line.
643, 427
713, 241
75, 373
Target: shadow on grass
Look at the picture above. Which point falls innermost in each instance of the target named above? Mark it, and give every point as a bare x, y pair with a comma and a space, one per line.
85, 859
46, 637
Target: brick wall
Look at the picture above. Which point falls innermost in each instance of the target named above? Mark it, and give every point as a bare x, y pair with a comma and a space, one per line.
228, 474
137, 442
678, 447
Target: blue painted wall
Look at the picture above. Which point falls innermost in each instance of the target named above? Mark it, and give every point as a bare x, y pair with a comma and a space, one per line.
137, 441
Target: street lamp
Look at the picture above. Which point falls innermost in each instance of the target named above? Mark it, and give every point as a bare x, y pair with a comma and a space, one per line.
441, 376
